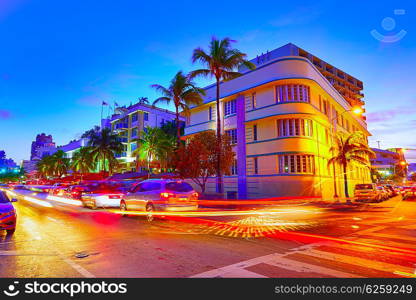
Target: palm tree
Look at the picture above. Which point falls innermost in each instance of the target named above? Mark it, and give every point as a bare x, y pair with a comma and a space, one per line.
60, 163
221, 62
183, 93
83, 161
151, 146
350, 149
104, 145
45, 166
143, 100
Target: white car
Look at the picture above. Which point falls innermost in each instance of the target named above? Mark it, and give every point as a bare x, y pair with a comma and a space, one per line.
160, 195
102, 195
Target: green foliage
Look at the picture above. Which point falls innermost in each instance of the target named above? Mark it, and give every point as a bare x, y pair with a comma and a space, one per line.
104, 145
154, 145
83, 160
198, 160
183, 93
56, 164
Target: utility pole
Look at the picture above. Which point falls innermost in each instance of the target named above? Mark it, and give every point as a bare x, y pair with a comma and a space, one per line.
378, 144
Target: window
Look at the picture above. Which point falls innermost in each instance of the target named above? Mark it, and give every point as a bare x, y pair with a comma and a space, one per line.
145, 129
133, 146
294, 127
292, 93
180, 186
256, 165
230, 107
210, 113
234, 170
146, 116
296, 164
253, 101
254, 132
134, 132
134, 117
148, 186
232, 133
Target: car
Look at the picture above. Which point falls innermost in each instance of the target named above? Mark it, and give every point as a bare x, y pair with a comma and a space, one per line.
76, 191
392, 189
102, 195
160, 195
385, 193
410, 194
7, 213
368, 193
58, 189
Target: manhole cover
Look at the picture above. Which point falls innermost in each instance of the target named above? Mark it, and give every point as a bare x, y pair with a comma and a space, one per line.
81, 255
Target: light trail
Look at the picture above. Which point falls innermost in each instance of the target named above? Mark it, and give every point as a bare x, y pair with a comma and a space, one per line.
37, 201
216, 213
64, 200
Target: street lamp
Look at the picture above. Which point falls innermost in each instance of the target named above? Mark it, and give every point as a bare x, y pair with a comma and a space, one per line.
355, 110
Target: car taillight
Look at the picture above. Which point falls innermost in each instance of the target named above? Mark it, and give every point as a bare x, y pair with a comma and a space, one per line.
194, 196
166, 196
114, 197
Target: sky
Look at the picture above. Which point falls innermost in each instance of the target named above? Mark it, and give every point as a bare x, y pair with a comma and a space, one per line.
60, 59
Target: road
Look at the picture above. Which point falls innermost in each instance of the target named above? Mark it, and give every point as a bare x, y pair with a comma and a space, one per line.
305, 240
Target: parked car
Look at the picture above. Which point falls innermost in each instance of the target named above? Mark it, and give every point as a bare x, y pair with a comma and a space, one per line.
76, 191
410, 194
58, 189
7, 213
368, 193
160, 195
392, 191
102, 195
385, 193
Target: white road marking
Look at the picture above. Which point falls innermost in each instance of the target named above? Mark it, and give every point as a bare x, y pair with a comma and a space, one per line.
275, 259
357, 261
76, 266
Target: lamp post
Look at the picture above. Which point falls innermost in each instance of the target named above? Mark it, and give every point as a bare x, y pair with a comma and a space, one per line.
355, 110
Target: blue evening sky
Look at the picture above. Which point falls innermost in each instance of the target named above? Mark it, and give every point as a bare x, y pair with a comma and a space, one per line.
60, 59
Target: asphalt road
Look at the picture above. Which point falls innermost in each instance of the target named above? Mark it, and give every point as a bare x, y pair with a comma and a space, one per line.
289, 240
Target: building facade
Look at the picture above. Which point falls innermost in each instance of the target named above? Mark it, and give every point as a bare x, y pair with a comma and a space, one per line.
129, 122
386, 161
282, 118
42, 146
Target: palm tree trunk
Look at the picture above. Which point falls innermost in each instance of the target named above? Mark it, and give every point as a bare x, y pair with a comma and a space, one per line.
178, 130
219, 173
346, 183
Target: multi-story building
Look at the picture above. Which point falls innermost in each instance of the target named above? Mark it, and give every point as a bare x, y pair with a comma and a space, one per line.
42, 146
282, 118
386, 161
129, 122
73, 146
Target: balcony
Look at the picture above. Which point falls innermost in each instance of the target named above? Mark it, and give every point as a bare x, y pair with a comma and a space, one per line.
122, 139
121, 126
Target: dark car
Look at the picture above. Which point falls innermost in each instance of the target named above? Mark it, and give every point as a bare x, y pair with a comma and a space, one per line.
7, 213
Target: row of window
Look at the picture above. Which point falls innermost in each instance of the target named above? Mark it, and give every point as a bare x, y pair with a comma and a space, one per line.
290, 164
294, 127
292, 93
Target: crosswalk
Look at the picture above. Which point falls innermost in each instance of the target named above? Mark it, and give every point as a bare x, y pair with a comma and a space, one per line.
327, 259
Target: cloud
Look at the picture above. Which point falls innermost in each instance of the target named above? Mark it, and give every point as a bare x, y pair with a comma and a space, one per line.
5, 114
392, 113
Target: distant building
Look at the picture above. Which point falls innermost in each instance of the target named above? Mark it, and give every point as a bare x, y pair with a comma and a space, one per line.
73, 146
386, 161
128, 122
42, 146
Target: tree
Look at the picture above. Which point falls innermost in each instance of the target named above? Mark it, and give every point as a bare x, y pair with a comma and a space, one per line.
104, 145
143, 100
170, 128
221, 62
350, 149
413, 177
197, 160
183, 93
83, 161
151, 146
56, 164
91, 132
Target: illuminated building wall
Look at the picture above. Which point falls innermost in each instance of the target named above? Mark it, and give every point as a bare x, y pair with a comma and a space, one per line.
129, 122
281, 117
